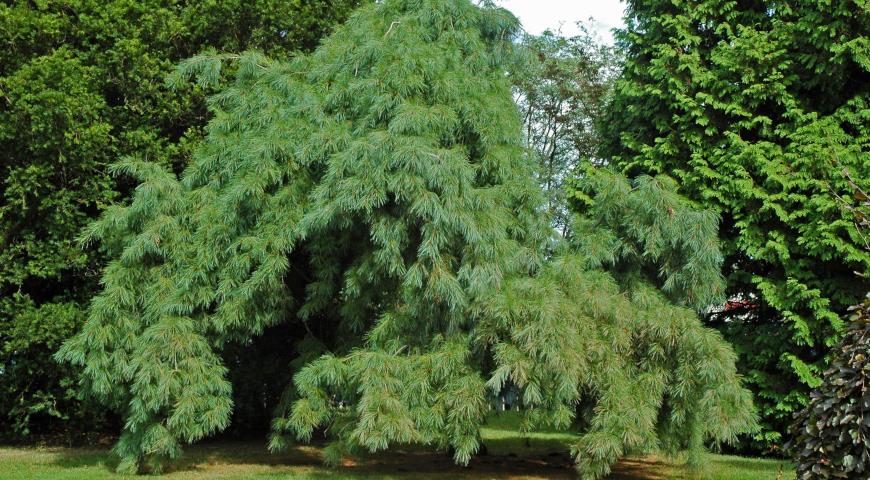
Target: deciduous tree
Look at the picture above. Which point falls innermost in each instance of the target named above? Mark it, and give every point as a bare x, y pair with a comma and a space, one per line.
560, 86
81, 85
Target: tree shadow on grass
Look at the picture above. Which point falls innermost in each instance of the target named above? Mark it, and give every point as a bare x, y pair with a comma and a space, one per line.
537, 458
412, 461
640, 468
84, 457
195, 457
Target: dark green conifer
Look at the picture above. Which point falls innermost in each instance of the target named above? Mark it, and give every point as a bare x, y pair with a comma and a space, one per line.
756, 108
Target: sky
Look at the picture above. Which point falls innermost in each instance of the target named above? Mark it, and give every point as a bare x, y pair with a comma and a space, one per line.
539, 15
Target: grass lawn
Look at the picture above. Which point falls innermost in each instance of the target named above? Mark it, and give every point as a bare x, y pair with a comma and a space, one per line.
510, 456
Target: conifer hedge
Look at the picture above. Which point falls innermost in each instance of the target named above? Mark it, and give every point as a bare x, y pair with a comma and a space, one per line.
756, 108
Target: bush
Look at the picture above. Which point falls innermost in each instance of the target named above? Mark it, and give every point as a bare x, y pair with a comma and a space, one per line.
38, 395
832, 435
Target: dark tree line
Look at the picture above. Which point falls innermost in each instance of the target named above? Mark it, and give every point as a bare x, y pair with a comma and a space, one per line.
81, 86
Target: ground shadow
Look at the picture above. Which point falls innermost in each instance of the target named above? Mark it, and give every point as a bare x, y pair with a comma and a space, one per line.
513, 460
84, 457
395, 463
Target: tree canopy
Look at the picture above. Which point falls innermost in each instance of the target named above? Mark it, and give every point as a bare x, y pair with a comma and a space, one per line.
757, 109
81, 85
377, 194
560, 87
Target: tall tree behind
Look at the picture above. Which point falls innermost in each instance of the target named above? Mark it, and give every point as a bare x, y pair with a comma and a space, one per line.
756, 108
560, 88
81, 85
830, 436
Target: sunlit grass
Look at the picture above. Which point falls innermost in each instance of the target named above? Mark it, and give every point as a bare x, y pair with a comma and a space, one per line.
727, 467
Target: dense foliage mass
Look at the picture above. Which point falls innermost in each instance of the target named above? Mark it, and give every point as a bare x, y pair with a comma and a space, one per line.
756, 109
831, 436
376, 198
81, 85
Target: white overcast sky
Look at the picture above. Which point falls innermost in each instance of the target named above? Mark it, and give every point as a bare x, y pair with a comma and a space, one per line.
539, 15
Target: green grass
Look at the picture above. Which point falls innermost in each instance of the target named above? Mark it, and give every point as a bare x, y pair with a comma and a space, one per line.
511, 455
716, 467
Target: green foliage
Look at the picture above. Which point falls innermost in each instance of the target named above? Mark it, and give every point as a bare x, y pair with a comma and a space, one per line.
560, 86
831, 437
644, 231
36, 390
756, 109
376, 195
81, 84
661, 378
655, 377
54, 135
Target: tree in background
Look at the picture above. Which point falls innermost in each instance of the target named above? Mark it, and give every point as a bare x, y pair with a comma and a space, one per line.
755, 109
831, 436
376, 198
560, 86
81, 85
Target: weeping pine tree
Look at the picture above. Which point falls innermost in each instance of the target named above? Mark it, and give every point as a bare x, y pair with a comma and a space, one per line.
377, 194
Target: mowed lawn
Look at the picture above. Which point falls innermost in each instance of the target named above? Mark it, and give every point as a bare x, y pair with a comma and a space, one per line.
511, 455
